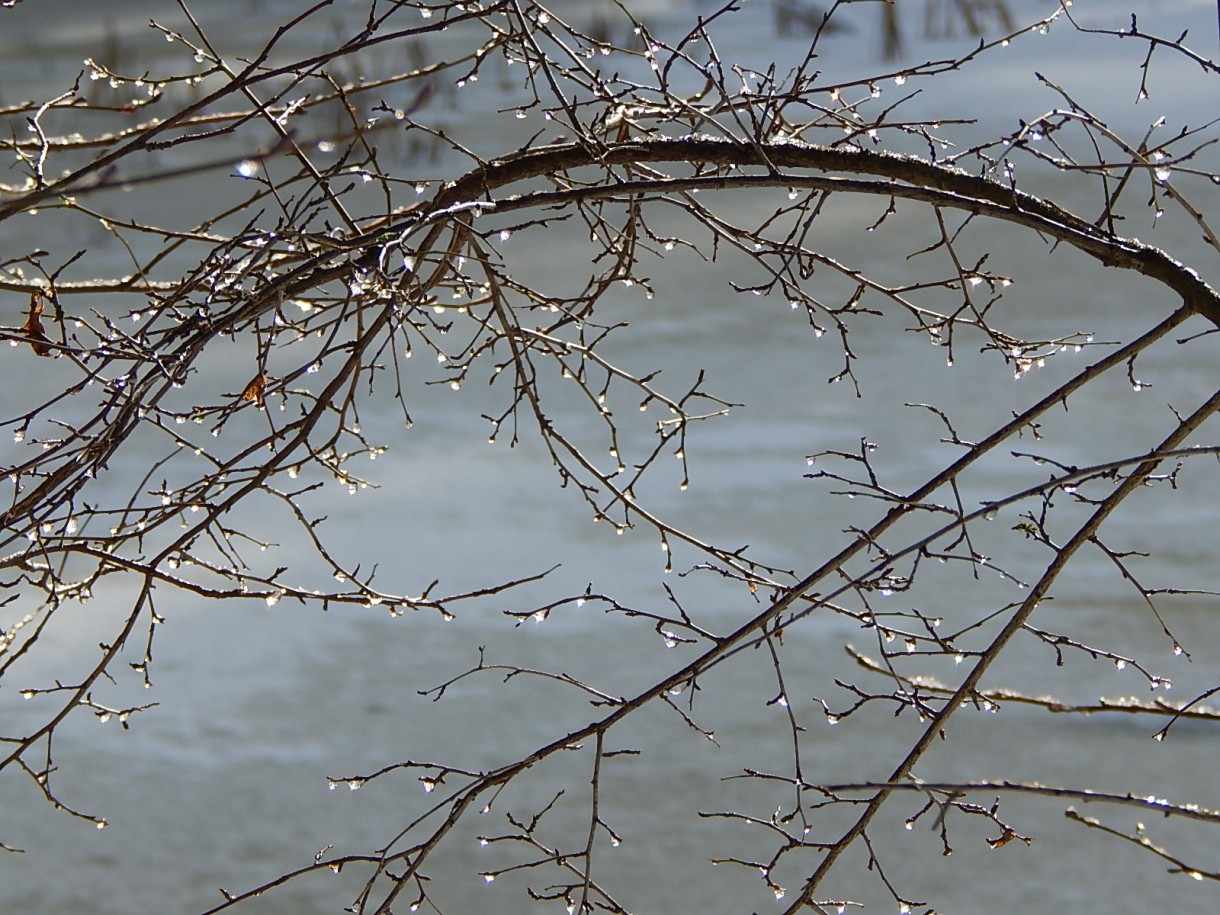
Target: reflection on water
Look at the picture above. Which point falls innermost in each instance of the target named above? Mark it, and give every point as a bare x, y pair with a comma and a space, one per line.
226, 783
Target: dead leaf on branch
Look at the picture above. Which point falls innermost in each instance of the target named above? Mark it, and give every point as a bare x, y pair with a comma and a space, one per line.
254, 390
33, 329
1006, 836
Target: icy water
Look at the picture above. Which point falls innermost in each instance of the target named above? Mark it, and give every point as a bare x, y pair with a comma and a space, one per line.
225, 783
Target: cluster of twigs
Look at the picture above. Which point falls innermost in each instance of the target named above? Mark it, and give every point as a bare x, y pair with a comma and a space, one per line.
327, 270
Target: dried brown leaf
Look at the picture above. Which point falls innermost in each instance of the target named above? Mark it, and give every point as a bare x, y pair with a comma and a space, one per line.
33, 329
254, 390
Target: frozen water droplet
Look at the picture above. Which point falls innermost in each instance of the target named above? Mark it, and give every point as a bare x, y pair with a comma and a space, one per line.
1162, 172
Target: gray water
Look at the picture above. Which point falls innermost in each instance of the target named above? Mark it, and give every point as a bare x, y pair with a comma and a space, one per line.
225, 783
